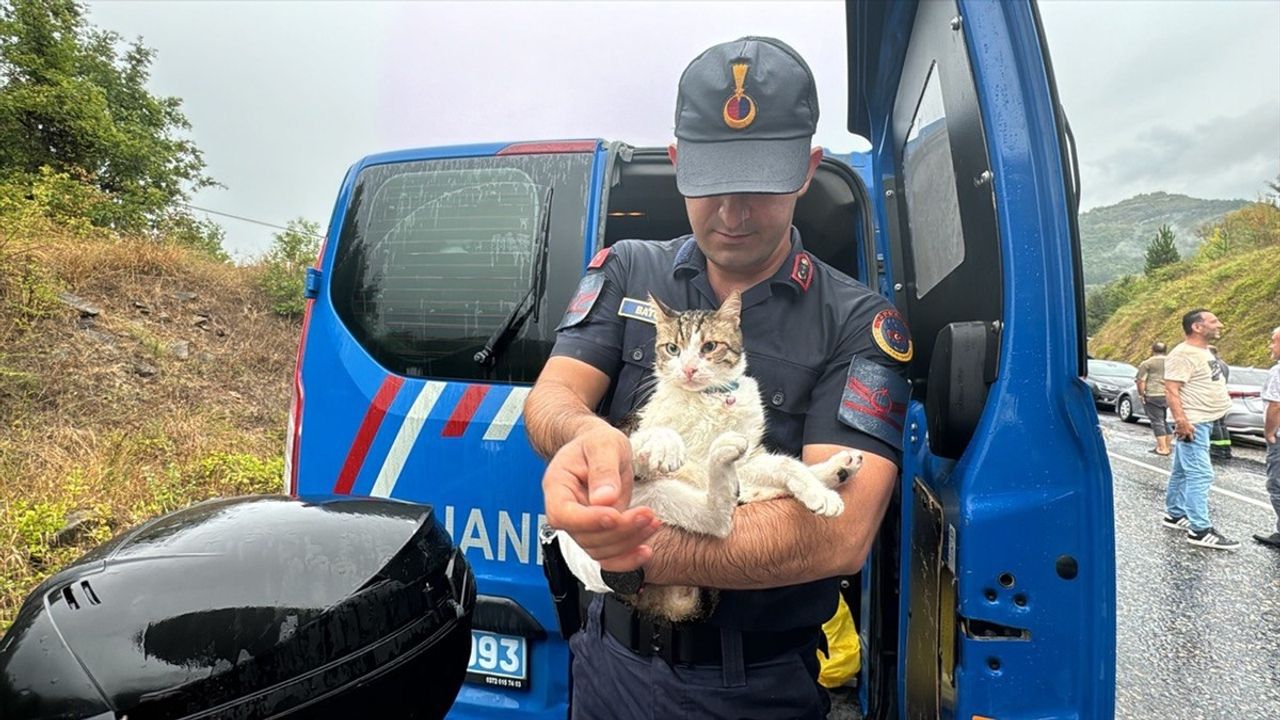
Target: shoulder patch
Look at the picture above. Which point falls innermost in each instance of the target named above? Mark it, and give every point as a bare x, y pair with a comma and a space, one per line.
892, 336
874, 401
597, 262
638, 310
583, 300
802, 271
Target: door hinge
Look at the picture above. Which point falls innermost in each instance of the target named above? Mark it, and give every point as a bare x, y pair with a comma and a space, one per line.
311, 286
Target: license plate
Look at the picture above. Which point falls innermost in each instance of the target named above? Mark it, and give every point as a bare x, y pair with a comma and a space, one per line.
498, 660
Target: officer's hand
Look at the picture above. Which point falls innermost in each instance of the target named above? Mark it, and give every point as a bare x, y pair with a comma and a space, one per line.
587, 488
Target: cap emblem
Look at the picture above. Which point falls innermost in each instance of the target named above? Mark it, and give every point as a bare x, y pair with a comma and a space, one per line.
739, 109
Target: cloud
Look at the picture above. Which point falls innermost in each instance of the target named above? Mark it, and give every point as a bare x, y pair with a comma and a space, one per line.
1222, 156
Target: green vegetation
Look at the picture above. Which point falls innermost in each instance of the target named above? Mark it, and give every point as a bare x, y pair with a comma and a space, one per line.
1233, 274
1161, 250
1114, 239
285, 266
82, 141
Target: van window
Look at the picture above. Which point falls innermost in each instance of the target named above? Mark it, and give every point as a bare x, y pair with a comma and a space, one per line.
435, 257
933, 210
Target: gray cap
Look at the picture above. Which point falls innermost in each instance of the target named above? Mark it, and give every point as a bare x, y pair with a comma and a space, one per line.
746, 112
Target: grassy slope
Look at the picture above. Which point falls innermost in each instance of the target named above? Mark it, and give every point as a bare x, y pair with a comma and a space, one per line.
83, 433
1242, 289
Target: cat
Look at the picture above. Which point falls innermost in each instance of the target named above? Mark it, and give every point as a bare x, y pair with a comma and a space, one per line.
697, 452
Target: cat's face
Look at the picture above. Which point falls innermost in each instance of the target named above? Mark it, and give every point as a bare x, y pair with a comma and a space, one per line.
699, 349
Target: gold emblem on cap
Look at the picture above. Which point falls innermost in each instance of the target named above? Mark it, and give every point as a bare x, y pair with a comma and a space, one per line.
739, 109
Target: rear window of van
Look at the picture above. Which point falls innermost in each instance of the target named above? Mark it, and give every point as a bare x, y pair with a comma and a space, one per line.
435, 256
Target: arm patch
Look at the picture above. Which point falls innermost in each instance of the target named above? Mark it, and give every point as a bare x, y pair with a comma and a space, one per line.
874, 401
583, 300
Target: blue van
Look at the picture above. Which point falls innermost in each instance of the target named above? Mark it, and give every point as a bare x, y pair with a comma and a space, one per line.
990, 591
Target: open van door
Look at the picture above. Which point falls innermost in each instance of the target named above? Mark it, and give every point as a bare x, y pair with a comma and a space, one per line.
1005, 538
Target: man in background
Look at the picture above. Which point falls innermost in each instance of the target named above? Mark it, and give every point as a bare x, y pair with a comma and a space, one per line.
1197, 395
1150, 382
1219, 438
1271, 431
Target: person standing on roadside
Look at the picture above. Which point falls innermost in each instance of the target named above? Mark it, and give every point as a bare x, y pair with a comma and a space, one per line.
1197, 395
1271, 431
1150, 382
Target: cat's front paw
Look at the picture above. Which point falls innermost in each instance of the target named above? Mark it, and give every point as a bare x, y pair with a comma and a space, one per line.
660, 450
728, 447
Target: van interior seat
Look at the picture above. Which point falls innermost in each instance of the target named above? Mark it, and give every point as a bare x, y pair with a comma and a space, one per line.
644, 204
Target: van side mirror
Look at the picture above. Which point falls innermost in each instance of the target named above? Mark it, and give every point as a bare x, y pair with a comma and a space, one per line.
961, 370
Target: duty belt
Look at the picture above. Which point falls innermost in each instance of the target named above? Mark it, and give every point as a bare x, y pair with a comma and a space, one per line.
696, 643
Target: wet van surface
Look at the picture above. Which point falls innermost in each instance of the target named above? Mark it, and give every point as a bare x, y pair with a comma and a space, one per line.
432, 255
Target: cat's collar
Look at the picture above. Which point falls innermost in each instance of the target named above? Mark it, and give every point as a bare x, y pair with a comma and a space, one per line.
720, 389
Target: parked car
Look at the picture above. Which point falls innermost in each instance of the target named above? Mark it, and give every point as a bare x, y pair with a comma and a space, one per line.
1245, 388
1107, 379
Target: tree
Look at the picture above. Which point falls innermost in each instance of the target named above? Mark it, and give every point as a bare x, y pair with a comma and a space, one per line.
74, 101
1161, 251
285, 266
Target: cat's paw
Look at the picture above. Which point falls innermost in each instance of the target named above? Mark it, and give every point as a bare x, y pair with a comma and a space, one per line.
838, 468
660, 450
826, 503
728, 447
846, 464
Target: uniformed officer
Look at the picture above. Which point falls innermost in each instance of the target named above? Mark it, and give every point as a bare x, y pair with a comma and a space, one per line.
828, 355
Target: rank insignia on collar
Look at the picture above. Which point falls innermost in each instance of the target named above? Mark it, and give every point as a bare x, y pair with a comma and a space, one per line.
739, 109
597, 262
892, 336
802, 271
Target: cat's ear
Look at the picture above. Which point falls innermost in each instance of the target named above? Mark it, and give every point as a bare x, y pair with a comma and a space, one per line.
666, 312
731, 308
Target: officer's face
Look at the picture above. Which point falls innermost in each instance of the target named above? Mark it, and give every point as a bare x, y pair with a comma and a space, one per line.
742, 233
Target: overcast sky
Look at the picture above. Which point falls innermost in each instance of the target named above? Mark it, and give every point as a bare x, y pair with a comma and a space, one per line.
284, 96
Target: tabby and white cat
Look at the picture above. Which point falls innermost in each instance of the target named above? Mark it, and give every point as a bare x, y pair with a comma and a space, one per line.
697, 450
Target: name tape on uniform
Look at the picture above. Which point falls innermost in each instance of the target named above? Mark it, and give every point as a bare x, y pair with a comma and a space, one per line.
638, 310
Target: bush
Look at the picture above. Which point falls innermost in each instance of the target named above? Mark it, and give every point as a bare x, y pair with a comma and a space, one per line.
285, 266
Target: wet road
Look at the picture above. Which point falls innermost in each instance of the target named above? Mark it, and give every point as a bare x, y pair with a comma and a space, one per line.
1197, 630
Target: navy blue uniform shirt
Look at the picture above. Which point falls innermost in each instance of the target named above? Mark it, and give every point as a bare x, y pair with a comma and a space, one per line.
826, 351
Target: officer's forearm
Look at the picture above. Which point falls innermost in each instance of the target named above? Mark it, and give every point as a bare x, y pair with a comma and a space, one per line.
779, 542
554, 415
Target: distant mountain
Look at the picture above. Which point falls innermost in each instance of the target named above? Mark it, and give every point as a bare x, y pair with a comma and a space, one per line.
1113, 239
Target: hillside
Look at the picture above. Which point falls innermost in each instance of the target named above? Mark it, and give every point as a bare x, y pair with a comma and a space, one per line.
1113, 239
135, 378
1243, 289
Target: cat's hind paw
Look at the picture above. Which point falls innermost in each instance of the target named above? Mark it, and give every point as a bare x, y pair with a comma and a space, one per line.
826, 503
838, 468
658, 450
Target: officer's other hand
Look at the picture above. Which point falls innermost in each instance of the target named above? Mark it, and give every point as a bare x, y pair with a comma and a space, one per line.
587, 488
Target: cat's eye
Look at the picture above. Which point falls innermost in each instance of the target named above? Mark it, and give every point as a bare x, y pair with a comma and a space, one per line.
671, 348
708, 347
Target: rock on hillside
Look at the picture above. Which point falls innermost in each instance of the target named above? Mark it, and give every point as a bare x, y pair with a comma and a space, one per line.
1113, 239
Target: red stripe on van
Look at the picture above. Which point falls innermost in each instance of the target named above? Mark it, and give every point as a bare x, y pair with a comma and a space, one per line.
364, 436
465, 409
